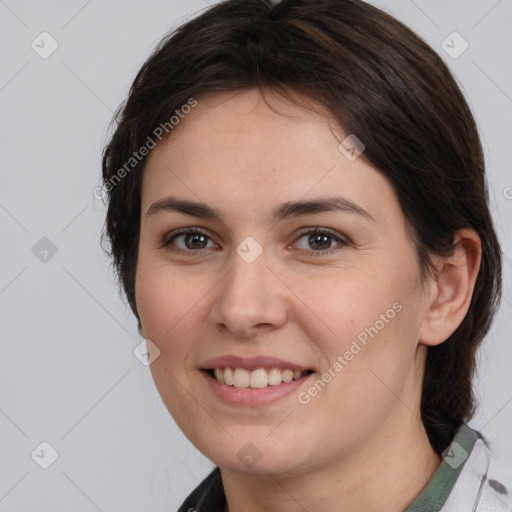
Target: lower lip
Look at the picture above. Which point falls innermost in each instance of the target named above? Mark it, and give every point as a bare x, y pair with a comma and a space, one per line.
252, 397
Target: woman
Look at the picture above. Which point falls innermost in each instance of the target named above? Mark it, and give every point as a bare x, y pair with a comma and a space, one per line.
299, 219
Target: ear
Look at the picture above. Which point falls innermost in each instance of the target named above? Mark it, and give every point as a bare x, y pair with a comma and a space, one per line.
451, 288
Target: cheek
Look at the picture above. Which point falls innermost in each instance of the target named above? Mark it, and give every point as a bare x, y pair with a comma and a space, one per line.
350, 305
169, 303
368, 360
373, 320
170, 307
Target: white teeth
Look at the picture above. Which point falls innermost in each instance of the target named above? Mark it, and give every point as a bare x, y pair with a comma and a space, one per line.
258, 379
241, 378
219, 375
228, 376
274, 376
287, 375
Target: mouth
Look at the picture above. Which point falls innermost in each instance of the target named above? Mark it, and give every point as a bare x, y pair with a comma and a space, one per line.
259, 378
255, 381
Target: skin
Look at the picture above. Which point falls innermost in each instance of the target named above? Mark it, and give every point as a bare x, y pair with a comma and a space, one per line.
359, 444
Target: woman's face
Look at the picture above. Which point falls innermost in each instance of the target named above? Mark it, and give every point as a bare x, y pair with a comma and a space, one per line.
255, 291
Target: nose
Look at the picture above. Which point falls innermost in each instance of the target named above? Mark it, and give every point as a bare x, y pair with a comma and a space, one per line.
249, 300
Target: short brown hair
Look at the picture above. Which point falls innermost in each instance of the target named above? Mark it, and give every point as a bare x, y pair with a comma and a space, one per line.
378, 80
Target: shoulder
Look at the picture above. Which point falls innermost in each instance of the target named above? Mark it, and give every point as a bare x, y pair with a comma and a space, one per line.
497, 488
485, 481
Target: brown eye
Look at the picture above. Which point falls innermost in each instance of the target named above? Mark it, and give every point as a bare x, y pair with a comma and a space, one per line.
195, 241
187, 240
321, 240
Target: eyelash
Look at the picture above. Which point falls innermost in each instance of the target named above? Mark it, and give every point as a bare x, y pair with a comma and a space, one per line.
167, 241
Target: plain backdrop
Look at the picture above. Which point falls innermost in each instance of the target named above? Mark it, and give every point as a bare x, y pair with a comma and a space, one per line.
68, 374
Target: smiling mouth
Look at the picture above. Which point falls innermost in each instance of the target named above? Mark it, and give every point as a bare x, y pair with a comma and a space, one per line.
256, 379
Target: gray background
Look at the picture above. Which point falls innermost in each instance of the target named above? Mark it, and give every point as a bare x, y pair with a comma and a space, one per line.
68, 374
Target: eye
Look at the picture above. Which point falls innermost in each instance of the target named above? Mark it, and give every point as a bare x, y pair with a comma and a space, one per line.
191, 239
321, 240
317, 240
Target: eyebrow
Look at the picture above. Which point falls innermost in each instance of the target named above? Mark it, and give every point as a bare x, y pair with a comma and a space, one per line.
282, 211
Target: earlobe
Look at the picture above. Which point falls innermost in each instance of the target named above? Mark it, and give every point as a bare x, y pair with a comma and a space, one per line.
452, 288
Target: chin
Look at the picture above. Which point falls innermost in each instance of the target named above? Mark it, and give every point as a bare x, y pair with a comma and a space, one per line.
258, 456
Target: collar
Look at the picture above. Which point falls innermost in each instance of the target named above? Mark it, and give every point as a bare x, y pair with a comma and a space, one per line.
467, 444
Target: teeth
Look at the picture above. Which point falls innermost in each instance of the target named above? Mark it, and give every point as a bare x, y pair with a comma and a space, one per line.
287, 375
274, 377
258, 379
241, 378
228, 376
219, 375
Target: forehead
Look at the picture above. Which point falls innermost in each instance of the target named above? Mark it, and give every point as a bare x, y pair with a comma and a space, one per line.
245, 124
233, 149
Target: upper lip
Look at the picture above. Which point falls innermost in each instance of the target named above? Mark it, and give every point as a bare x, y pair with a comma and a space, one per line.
252, 363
